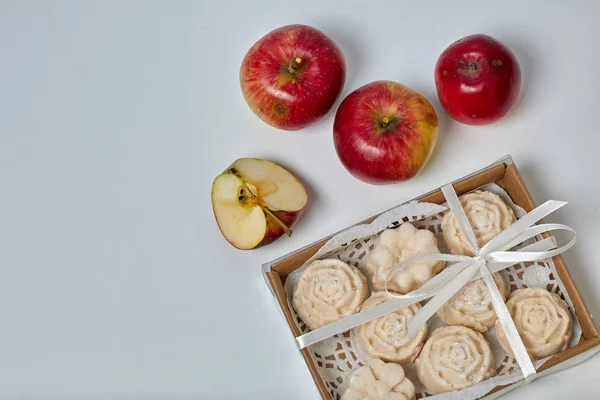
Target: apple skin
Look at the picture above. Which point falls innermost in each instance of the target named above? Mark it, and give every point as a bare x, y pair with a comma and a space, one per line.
292, 100
380, 151
478, 80
274, 230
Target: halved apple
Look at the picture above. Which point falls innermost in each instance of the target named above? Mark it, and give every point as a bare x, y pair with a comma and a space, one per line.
256, 201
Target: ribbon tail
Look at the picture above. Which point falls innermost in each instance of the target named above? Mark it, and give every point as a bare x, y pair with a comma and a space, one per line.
533, 231
512, 335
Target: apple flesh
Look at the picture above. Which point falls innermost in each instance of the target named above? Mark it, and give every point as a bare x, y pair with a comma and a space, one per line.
292, 76
384, 132
256, 201
478, 80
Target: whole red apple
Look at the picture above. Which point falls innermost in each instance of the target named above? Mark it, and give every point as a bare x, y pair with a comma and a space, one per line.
477, 79
384, 132
292, 76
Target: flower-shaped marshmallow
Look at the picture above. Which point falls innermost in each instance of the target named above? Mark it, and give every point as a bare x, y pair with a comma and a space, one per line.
542, 319
488, 215
454, 357
395, 245
328, 290
386, 337
472, 306
379, 381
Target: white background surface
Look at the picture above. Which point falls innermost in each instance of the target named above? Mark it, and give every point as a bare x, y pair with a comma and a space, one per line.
116, 116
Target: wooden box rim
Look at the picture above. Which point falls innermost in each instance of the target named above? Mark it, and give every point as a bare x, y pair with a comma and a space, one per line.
504, 172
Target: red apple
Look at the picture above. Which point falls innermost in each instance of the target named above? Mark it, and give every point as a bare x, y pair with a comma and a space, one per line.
292, 76
477, 79
384, 132
256, 201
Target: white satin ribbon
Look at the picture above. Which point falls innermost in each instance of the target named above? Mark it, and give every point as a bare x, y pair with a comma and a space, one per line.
492, 257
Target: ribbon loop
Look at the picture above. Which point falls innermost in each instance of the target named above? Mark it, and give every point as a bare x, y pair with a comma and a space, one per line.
511, 233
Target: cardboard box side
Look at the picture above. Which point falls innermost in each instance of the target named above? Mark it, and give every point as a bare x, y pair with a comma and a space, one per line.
465, 185
581, 347
513, 183
279, 292
588, 327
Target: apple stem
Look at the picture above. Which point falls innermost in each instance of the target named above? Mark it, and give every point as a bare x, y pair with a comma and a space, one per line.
287, 230
385, 122
295, 64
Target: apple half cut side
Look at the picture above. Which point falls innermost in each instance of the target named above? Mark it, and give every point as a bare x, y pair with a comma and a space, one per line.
256, 201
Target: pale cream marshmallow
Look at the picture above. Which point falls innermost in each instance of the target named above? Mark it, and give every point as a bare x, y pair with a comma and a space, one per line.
542, 319
472, 306
395, 245
328, 290
386, 338
454, 357
488, 215
379, 381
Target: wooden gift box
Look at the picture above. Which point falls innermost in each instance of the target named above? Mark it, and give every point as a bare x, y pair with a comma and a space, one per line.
505, 174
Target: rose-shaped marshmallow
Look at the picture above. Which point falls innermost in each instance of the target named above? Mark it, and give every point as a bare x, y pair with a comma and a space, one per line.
488, 215
328, 290
542, 319
395, 245
472, 306
379, 381
387, 338
454, 357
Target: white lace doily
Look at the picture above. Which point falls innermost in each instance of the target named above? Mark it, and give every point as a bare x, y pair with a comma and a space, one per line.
337, 357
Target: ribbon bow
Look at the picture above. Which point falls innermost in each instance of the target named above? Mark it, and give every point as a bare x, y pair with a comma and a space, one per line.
492, 257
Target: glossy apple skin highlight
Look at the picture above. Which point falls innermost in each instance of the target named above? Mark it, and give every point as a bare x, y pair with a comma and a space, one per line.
292, 100
381, 152
478, 80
